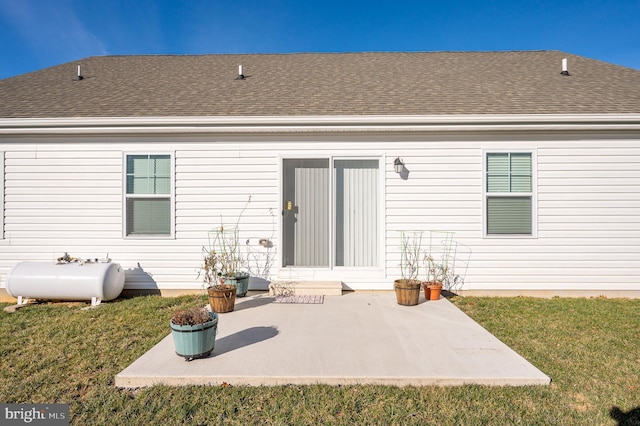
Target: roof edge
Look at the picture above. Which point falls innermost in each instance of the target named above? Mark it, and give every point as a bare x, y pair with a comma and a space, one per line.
269, 124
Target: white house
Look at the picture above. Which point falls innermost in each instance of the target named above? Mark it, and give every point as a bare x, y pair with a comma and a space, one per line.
530, 160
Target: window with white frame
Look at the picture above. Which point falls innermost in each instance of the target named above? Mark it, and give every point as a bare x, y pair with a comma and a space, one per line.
509, 193
149, 195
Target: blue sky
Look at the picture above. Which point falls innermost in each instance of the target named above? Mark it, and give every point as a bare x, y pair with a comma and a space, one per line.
35, 34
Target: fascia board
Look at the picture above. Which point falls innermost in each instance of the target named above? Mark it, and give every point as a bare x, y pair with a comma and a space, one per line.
303, 124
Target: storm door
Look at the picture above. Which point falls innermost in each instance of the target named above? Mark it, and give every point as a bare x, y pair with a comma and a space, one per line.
331, 212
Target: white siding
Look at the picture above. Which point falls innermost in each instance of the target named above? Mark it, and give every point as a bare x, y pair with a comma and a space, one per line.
65, 195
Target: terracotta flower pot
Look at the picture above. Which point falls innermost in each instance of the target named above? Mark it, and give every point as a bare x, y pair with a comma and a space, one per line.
432, 290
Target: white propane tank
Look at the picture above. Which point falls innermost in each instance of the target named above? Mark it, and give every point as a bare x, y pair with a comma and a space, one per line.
93, 281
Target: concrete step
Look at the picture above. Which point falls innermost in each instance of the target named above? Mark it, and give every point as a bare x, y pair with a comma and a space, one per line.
301, 287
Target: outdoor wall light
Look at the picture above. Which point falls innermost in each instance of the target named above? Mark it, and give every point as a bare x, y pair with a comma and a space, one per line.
398, 165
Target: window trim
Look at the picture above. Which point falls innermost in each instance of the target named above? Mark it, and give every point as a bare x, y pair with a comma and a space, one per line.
170, 196
533, 194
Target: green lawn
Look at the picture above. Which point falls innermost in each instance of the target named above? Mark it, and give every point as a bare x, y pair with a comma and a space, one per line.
58, 353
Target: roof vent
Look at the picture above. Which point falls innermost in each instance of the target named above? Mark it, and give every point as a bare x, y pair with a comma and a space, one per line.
80, 77
565, 69
240, 74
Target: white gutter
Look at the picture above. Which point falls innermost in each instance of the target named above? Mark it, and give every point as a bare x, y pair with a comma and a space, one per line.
304, 124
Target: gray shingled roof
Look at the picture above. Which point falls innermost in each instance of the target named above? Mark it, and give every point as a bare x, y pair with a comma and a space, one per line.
429, 83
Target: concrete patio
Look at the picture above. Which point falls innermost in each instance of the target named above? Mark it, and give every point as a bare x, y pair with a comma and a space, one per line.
358, 338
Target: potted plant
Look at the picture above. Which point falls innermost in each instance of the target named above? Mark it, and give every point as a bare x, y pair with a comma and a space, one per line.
194, 332
437, 272
407, 288
224, 263
222, 294
438, 262
224, 242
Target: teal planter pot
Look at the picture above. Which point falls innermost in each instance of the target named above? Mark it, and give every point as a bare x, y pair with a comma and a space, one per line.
195, 341
241, 281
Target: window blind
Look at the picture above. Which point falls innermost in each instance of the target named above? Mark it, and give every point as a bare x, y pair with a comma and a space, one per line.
356, 212
148, 177
508, 215
148, 216
509, 174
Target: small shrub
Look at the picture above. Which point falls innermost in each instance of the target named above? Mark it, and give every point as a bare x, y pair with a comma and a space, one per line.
191, 316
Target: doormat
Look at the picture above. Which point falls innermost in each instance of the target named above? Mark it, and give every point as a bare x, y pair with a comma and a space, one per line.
305, 299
